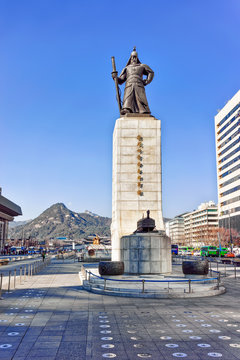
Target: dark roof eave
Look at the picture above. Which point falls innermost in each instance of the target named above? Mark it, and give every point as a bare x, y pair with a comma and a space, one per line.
9, 207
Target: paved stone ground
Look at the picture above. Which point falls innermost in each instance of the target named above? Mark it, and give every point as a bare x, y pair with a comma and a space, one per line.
51, 317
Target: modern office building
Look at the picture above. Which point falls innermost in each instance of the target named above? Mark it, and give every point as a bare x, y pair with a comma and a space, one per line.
175, 230
227, 132
201, 225
7, 212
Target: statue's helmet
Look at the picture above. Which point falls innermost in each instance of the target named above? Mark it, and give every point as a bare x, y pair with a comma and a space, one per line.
133, 53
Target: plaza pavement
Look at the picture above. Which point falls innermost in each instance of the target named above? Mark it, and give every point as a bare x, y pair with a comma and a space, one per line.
51, 317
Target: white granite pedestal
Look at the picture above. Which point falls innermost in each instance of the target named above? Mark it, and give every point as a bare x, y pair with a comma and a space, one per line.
146, 253
137, 175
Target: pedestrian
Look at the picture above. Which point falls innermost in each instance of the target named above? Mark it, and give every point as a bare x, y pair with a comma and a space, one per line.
43, 256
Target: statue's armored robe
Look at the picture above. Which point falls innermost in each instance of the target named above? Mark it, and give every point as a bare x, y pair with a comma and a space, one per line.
134, 100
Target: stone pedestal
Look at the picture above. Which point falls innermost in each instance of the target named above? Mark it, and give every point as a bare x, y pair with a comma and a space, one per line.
137, 175
146, 253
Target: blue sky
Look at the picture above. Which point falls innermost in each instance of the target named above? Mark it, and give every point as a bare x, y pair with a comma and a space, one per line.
57, 98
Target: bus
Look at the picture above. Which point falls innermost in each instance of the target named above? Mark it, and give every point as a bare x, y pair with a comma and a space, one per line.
222, 252
175, 249
209, 251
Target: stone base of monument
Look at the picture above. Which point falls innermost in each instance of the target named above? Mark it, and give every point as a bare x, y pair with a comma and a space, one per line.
146, 253
195, 268
111, 267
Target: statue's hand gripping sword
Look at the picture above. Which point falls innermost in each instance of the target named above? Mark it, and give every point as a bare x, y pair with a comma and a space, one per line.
116, 84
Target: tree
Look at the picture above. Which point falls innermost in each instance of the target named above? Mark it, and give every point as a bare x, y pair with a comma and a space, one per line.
226, 239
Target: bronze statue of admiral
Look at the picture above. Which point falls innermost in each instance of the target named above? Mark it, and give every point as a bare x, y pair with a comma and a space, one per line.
136, 76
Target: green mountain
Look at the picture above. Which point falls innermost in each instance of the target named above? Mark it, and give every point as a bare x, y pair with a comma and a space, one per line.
59, 221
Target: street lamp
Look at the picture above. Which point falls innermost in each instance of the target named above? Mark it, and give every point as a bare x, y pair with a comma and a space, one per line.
230, 233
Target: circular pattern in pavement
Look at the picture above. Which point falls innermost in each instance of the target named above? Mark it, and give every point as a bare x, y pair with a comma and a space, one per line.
109, 355
104, 326
224, 337
3, 320
20, 324
195, 337
130, 326
103, 317
232, 325
187, 331
144, 356
179, 354
215, 331
135, 338
107, 338
206, 325
235, 345
204, 345
105, 331
165, 338
171, 345
107, 346
214, 354
138, 346
181, 325
14, 333
5, 346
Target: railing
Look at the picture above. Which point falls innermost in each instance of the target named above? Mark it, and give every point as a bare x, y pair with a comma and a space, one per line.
218, 261
21, 274
144, 281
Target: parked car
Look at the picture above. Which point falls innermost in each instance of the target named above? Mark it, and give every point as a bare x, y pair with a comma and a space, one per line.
230, 255
185, 250
197, 253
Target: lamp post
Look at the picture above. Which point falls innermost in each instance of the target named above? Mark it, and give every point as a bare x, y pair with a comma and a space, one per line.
230, 233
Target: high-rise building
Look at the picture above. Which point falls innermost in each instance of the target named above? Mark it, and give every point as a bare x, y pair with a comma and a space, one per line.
175, 230
227, 133
201, 225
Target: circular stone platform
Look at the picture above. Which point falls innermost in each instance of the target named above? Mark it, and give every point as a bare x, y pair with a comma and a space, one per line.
150, 286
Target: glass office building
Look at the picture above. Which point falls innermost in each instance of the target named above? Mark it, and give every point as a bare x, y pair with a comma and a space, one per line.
227, 133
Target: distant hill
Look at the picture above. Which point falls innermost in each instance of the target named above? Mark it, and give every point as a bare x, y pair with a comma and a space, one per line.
59, 221
13, 224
